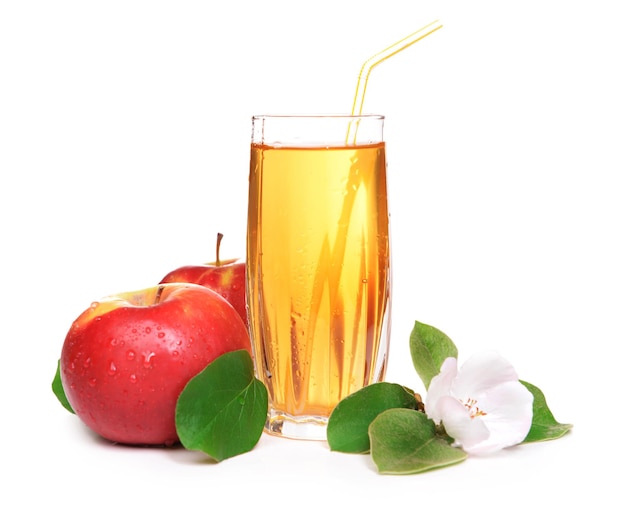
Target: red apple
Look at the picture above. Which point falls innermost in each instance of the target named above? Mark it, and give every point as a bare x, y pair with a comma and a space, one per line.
226, 277
126, 358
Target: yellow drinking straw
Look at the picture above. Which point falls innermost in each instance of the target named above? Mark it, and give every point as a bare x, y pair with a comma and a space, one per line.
333, 251
370, 63
357, 107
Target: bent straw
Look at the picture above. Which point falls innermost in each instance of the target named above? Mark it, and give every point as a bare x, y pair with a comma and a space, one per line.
333, 253
382, 56
370, 63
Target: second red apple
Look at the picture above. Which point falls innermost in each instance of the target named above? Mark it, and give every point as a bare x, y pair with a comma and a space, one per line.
225, 277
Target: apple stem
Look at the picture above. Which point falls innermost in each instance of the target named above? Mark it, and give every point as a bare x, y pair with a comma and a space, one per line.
159, 292
217, 248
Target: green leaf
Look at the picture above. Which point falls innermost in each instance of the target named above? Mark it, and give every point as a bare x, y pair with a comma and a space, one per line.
57, 389
429, 349
405, 441
544, 425
222, 410
350, 420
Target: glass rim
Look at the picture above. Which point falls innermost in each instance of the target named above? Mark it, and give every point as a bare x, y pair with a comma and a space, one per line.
318, 116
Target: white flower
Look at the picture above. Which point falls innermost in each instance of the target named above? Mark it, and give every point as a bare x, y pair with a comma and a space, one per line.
482, 406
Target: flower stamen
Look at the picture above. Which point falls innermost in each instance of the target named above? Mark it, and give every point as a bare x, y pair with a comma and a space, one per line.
472, 406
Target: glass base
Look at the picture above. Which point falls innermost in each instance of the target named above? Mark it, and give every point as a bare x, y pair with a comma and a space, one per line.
296, 427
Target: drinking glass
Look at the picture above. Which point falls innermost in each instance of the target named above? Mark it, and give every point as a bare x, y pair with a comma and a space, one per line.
318, 264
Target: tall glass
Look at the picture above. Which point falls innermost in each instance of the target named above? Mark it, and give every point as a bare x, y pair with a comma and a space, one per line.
318, 264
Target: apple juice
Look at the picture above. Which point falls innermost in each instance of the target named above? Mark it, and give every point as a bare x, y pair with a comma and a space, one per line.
318, 274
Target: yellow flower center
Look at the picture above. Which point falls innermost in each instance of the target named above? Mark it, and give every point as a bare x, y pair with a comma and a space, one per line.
472, 406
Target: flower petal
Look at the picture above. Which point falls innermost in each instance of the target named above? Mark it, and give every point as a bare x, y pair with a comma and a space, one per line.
480, 373
465, 430
509, 408
440, 387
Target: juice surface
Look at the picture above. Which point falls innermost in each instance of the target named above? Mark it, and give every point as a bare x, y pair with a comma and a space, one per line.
319, 273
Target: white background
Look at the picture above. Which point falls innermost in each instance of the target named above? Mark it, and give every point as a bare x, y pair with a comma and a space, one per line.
124, 131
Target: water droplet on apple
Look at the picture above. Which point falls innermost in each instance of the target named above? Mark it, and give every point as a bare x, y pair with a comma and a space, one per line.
92, 382
147, 329
94, 305
112, 368
147, 359
132, 378
130, 355
175, 353
87, 363
113, 342
160, 334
